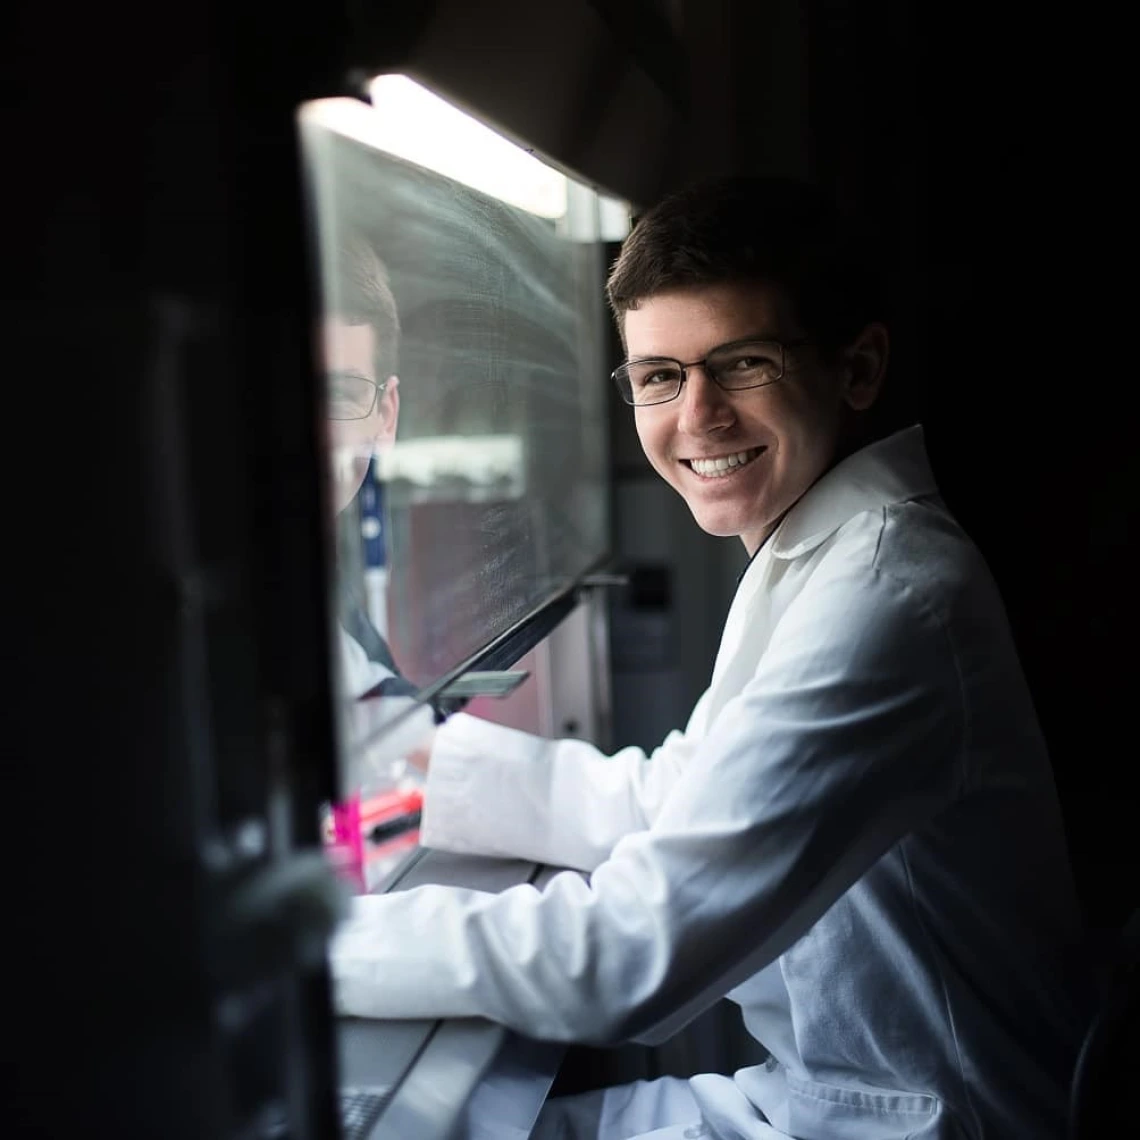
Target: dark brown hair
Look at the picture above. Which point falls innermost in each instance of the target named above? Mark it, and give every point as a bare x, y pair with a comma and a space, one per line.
341, 173
765, 230
359, 293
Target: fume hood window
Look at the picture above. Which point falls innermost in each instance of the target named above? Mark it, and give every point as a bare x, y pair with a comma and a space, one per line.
461, 332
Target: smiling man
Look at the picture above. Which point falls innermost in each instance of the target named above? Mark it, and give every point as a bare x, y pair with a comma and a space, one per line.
856, 836
741, 462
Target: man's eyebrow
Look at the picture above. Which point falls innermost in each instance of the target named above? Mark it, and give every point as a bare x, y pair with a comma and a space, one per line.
769, 337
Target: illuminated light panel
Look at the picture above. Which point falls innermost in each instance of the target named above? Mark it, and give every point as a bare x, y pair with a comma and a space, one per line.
414, 124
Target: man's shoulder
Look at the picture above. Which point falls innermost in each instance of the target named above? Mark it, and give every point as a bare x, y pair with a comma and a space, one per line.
914, 541
911, 558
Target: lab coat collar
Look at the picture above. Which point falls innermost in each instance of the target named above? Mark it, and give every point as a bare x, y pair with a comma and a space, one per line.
891, 470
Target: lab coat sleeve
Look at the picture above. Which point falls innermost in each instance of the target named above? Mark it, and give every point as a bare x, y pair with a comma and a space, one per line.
358, 673
493, 790
849, 735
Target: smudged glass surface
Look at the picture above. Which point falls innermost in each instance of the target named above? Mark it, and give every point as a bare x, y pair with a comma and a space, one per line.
482, 463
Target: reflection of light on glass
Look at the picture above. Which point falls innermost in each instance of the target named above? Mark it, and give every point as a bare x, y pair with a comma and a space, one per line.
482, 466
417, 125
412, 123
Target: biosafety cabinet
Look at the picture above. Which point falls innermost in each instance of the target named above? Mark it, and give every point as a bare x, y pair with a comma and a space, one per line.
335, 417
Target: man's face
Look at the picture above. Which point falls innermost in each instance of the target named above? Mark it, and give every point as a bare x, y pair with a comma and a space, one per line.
783, 436
348, 352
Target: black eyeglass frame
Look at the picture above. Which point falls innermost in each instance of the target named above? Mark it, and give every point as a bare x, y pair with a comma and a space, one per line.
379, 386
782, 345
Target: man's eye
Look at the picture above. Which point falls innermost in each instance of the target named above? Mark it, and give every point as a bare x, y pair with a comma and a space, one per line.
349, 388
660, 377
749, 363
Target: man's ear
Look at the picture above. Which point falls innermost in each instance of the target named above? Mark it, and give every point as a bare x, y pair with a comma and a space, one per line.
388, 411
866, 367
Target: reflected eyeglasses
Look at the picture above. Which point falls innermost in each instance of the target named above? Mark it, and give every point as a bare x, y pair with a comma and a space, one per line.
350, 396
740, 364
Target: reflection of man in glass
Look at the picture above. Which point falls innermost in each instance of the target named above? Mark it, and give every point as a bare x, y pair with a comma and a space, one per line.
360, 342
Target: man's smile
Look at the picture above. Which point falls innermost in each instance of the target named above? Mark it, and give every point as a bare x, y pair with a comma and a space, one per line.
722, 465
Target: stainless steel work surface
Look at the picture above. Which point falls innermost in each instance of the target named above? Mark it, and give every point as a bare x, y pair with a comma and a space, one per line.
448, 1079
431, 1100
442, 868
379, 1053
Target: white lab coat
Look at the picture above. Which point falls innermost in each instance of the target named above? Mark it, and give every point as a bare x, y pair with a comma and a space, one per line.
357, 673
856, 838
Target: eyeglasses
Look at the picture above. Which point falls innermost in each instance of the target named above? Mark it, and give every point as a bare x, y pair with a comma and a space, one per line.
734, 366
350, 396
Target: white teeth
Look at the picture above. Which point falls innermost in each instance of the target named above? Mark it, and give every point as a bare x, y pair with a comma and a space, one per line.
725, 463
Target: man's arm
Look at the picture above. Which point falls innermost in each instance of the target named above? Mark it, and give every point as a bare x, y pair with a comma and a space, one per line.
498, 791
849, 737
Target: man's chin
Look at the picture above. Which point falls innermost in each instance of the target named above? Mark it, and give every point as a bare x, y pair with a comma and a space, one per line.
717, 524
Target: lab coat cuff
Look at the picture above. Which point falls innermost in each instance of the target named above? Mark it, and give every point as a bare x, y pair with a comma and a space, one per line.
466, 764
473, 736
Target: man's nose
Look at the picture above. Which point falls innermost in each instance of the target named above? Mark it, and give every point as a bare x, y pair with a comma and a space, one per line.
705, 405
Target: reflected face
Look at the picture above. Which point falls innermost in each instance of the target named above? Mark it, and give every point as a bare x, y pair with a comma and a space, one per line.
348, 357
778, 439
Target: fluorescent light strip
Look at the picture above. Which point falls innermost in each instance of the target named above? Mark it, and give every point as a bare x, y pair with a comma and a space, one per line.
415, 124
